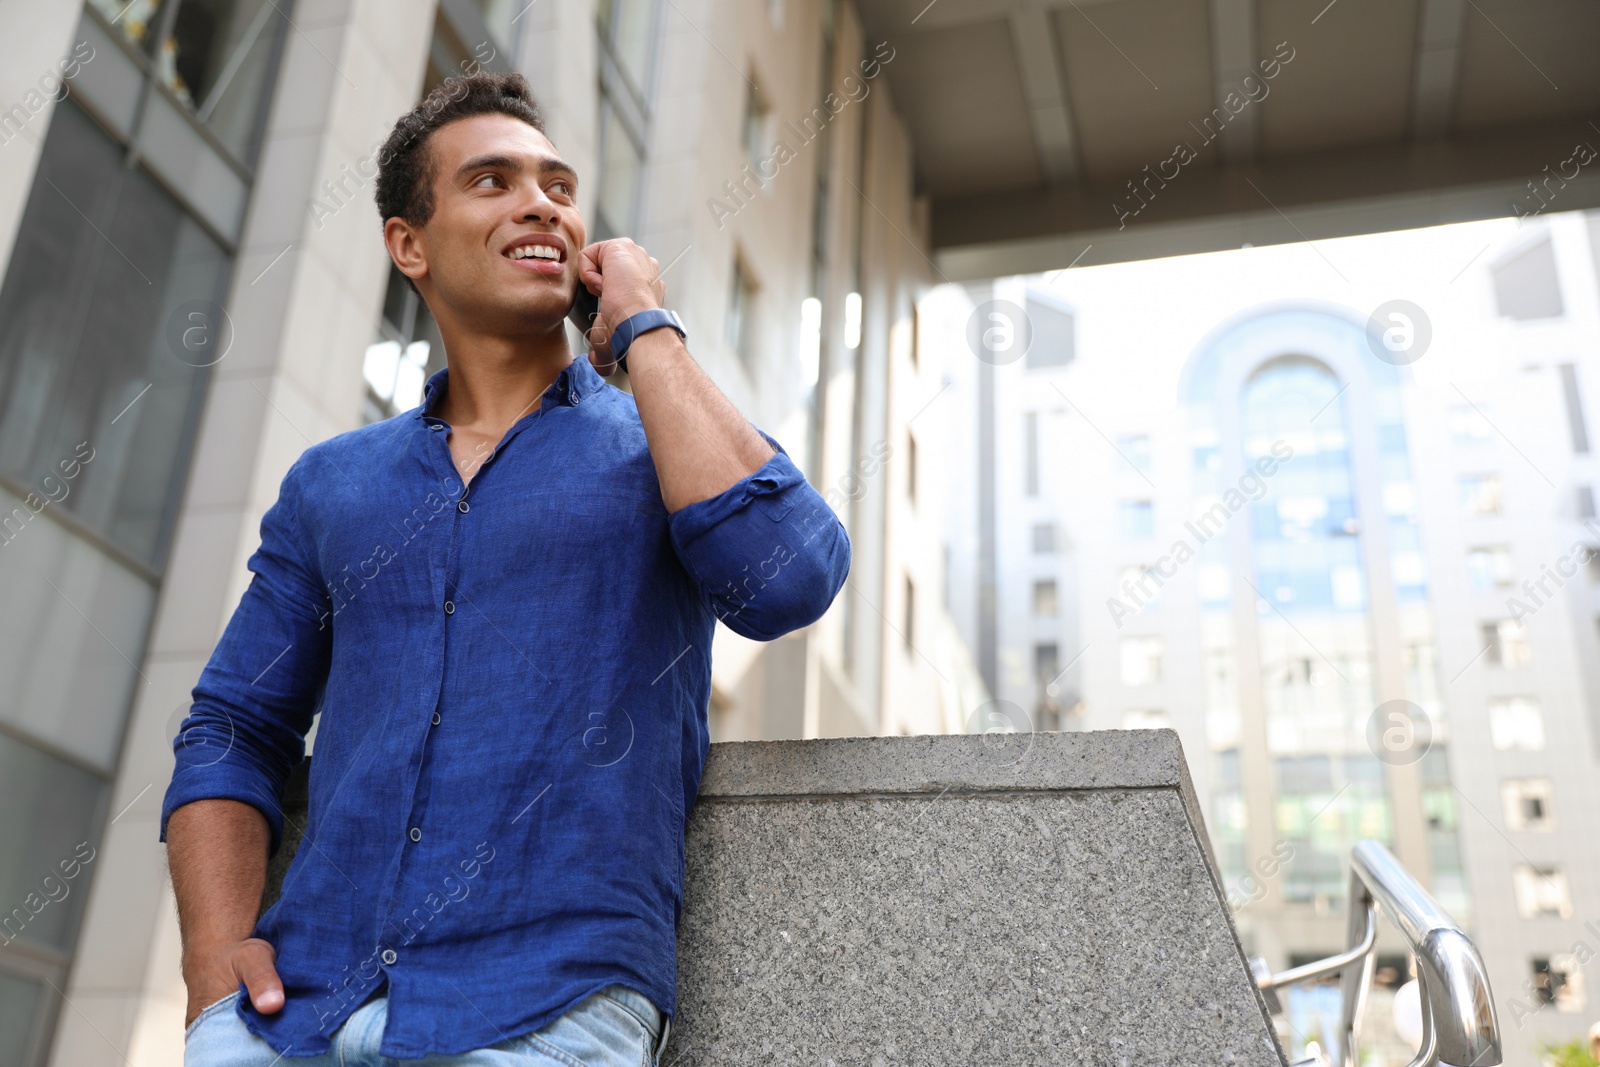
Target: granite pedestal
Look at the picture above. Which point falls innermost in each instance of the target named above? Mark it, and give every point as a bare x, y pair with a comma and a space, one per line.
982, 900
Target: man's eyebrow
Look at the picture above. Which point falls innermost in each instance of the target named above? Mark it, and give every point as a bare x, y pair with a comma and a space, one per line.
547, 165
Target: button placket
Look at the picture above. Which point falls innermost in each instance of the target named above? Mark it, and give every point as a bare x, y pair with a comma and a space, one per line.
444, 467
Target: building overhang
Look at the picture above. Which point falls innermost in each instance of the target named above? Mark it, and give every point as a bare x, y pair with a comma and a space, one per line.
1049, 133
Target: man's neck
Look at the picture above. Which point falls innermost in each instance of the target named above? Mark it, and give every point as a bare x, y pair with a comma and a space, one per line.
494, 381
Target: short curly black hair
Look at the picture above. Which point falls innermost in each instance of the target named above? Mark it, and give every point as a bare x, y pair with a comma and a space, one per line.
406, 168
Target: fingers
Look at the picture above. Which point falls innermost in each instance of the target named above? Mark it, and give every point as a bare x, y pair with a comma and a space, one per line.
626, 258
589, 267
253, 964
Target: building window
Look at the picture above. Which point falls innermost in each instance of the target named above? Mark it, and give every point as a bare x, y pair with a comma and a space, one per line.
1046, 662
621, 174
1135, 520
1449, 881
1469, 425
500, 18
1141, 660
1541, 892
1030, 453
1480, 495
1574, 404
1221, 693
1135, 448
1526, 805
212, 56
1325, 803
407, 351
1421, 662
1585, 502
1516, 724
911, 468
1439, 807
756, 112
741, 312
1507, 643
1044, 537
910, 618
1044, 597
626, 30
85, 345
1558, 980
1489, 568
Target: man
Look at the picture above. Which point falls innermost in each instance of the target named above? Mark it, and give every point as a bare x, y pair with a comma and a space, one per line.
501, 604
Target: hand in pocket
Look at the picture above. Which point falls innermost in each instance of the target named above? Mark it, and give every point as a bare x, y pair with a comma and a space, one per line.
212, 975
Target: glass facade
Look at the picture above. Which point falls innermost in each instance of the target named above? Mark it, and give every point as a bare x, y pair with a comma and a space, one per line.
1296, 501
103, 358
627, 36
113, 305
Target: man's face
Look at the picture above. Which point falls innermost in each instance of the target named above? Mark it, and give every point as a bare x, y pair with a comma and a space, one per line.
502, 245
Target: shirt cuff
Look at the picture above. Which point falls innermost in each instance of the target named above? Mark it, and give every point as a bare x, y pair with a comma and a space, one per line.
768, 552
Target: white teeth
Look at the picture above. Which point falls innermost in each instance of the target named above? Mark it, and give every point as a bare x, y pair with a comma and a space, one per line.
536, 252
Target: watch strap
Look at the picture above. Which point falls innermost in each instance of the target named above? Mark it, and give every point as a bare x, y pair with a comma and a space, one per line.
628, 329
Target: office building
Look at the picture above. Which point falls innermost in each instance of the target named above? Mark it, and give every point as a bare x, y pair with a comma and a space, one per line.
1344, 550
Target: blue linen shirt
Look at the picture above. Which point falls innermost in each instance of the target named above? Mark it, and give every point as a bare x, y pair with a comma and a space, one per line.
513, 679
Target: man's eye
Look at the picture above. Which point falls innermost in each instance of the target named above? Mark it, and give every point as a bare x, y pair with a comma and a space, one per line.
486, 178
563, 186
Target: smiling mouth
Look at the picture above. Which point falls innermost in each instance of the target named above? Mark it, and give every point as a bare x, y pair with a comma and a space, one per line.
540, 252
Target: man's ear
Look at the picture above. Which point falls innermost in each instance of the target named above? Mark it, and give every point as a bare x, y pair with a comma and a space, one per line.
404, 242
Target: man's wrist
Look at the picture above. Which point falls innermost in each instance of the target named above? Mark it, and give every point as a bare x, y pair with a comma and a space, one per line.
638, 325
650, 343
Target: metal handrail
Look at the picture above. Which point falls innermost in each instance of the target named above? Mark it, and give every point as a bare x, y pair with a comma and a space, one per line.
1459, 1025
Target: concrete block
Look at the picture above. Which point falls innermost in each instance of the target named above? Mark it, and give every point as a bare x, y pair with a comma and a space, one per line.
970, 899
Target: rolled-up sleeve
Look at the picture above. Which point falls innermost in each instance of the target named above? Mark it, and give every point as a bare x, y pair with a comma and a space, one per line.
768, 552
256, 697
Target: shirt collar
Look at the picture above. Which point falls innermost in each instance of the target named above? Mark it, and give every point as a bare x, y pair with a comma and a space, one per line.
577, 380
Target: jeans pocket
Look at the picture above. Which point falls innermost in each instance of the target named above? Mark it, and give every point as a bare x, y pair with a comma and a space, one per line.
621, 1004
210, 1010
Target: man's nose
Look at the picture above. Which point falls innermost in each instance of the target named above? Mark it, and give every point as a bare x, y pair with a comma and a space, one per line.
538, 207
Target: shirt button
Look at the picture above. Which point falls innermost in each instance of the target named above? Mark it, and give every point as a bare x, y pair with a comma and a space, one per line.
389, 956
436, 718
416, 833
462, 507
449, 607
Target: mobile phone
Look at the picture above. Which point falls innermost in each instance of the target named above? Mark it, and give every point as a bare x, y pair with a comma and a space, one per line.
585, 309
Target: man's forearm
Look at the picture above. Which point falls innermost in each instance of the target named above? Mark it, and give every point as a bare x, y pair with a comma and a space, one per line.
700, 442
217, 854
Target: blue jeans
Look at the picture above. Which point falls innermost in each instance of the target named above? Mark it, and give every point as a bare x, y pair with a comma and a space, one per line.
615, 1027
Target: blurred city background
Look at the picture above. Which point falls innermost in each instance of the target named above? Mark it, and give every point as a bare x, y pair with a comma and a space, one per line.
1228, 366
